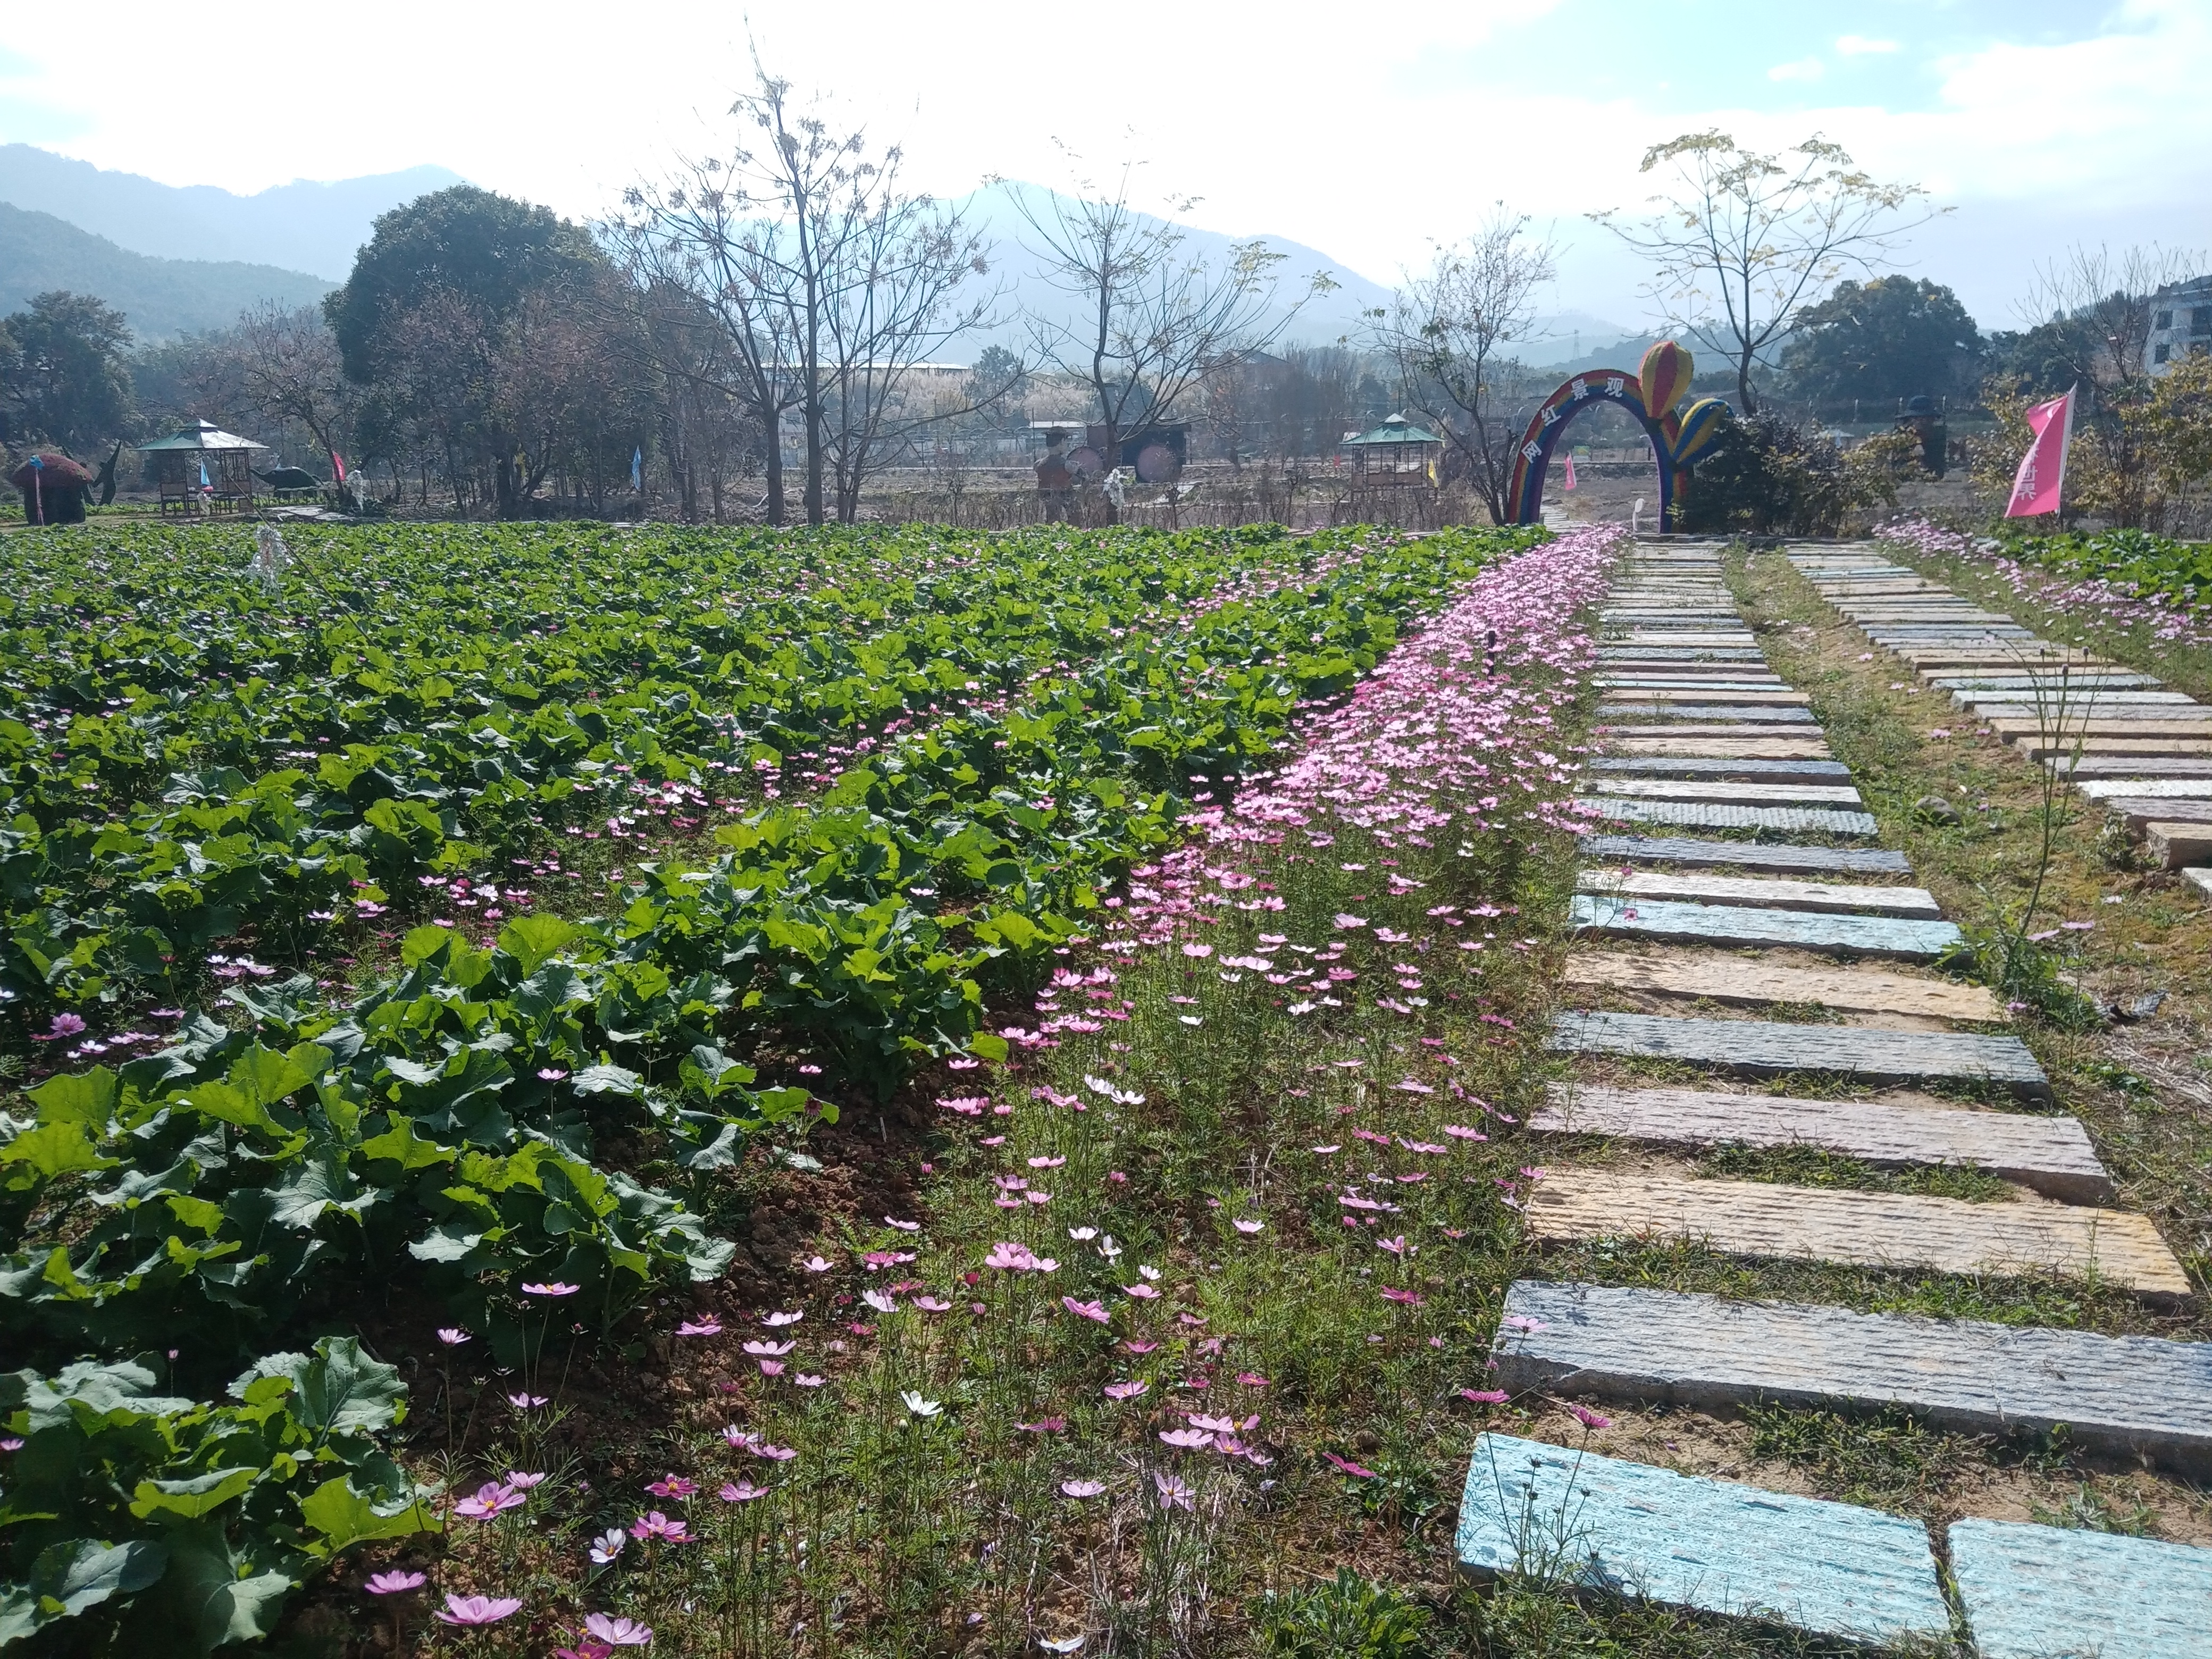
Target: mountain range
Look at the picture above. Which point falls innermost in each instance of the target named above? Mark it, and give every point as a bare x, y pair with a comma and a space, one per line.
188, 258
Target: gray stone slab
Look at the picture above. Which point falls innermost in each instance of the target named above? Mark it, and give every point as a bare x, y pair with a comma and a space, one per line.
1628, 916
2125, 766
1834, 898
1762, 791
2033, 1592
1684, 1541
1724, 766
1721, 815
2056, 687
1681, 653
2124, 1396
1747, 854
2050, 1153
1747, 715
1757, 1048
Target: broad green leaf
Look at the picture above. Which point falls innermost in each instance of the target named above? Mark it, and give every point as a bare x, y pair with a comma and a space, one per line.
86, 1097
343, 1517
533, 940
189, 1499
342, 1389
51, 1150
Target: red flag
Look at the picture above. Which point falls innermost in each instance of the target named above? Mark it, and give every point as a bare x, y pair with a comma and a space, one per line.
2042, 471
337, 463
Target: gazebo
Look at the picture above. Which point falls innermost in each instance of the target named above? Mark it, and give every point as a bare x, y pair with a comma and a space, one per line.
1396, 454
204, 469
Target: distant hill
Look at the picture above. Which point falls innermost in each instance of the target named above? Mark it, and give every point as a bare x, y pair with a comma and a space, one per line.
303, 226
161, 297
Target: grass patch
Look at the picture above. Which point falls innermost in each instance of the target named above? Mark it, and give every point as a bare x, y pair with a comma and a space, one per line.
1810, 1166
1886, 1460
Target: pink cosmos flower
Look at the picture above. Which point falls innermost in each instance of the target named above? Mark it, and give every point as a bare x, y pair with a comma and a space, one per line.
1174, 1493
524, 1479
1093, 1310
1186, 1439
1142, 1292
672, 1485
553, 1288
452, 1335
526, 1400
657, 1525
1253, 1380
489, 1499
1044, 1426
773, 1350
1486, 1396
709, 1325
774, 1319
740, 1492
1082, 1488
616, 1632
393, 1584
478, 1609
1244, 1225
1357, 1471
1589, 1419
1126, 1390
1409, 1298
1198, 950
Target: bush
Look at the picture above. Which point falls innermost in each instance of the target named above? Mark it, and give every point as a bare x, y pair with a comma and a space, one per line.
138, 1523
1766, 476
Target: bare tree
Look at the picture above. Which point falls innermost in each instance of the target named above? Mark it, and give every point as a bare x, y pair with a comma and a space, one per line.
827, 279
291, 370
1450, 333
1149, 323
1742, 240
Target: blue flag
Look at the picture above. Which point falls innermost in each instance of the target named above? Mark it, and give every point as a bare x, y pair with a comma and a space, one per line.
637, 469
203, 481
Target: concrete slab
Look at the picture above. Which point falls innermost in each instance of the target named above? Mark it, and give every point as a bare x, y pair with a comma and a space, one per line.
1755, 1047
2050, 1154
2033, 1592
2124, 1396
1746, 855
1627, 916
1761, 1218
1755, 982
1718, 815
1831, 898
1683, 1540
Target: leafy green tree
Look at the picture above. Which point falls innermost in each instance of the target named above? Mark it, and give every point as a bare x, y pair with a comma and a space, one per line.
65, 374
1878, 341
488, 251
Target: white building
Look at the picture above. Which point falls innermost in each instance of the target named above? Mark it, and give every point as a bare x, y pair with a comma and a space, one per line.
2180, 322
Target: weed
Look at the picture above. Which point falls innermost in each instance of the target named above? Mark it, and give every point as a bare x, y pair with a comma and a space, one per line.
1888, 1459
1350, 1618
1811, 1166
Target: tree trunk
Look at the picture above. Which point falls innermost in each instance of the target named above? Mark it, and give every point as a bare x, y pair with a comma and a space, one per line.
773, 456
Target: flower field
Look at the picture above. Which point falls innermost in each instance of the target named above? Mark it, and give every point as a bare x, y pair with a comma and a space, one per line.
876, 1091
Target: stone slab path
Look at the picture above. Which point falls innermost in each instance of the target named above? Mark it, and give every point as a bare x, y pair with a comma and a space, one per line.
2071, 709
1778, 873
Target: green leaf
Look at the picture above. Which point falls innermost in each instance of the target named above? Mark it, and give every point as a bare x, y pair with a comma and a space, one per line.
606, 1079
51, 1150
68, 1578
422, 944
344, 1517
340, 1389
988, 1045
193, 1497
86, 1097
533, 940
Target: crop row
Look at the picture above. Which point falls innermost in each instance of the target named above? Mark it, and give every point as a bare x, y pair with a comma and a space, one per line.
184, 756
442, 1131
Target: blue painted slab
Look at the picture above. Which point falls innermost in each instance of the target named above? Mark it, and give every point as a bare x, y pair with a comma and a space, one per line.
1683, 1540
1626, 916
1783, 771
2059, 1593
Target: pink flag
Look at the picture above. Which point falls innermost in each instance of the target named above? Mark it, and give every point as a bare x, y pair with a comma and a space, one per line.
2042, 472
1571, 469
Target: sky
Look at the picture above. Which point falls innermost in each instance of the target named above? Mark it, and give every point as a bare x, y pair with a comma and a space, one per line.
1369, 133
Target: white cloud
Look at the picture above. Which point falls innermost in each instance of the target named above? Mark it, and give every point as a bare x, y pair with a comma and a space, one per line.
1800, 69
1858, 45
